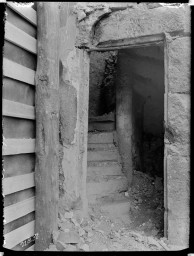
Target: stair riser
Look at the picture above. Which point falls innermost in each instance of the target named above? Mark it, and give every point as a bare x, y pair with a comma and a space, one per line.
107, 170
101, 126
102, 156
101, 146
101, 189
103, 137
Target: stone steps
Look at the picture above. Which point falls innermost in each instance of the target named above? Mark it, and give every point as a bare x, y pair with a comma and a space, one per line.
101, 126
101, 146
100, 137
104, 188
104, 168
101, 155
104, 176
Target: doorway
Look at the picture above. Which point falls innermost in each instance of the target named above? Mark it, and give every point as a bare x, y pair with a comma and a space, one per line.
126, 98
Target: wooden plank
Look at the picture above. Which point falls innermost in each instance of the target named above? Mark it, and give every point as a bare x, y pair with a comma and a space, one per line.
19, 235
26, 12
18, 210
18, 91
19, 196
18, 72
18, 164
20, 38
15, 109
31, 248
18, 146
15, 19
18, 183
18, 128
47, 122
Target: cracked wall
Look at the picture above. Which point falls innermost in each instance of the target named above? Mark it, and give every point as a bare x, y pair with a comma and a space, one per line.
86, 25
74, 79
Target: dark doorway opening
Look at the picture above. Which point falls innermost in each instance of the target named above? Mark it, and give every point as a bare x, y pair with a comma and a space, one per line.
132, 80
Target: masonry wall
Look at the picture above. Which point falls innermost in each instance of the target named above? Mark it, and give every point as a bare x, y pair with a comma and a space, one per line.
90, 25
134, 23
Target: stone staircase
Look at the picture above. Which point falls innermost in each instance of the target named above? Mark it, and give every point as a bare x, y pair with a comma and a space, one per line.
105, 179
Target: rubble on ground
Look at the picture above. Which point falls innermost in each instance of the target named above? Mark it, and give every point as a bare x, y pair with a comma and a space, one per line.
100, 232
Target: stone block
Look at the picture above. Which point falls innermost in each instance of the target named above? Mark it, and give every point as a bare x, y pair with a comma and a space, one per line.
178, 231
71, 248
71, 237
60, 246
187, 21
180, 65
179, 117
179, 149
140, 22
178, 186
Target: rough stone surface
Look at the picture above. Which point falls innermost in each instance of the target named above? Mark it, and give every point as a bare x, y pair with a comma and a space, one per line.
94, 12
102, 155
109, 187
102, 137
179, 65
71, 248
178, 178
179, 117
178, 149
139, 22
70, 237
77, 32
60, 246
99, 62
74, 84
178, 231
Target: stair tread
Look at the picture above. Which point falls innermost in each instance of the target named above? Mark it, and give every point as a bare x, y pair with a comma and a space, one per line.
94, 163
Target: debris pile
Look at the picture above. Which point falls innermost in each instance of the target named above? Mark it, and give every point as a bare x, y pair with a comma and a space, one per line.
101, 232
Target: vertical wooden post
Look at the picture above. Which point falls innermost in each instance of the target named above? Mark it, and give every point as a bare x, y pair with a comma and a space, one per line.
47, 123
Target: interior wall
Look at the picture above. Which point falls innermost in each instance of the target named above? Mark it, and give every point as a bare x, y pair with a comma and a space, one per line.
147, 74
101, 88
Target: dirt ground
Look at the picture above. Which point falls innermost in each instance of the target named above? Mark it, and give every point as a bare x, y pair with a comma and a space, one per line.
141, 230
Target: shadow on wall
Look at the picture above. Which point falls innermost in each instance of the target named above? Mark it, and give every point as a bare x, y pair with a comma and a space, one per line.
102, 83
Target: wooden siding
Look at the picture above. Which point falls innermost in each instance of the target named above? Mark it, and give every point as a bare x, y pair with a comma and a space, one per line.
19, 65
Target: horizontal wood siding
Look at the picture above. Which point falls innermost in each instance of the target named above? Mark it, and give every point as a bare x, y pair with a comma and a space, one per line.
18, 108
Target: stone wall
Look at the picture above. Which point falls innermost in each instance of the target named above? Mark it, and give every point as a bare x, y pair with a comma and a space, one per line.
84, 25
101, 85
172, 22
178, 142
146, 67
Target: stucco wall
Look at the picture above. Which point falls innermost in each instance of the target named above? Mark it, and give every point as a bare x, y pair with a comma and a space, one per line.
74, 85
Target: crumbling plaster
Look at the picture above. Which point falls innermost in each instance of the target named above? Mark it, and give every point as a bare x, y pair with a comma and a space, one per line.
84, 25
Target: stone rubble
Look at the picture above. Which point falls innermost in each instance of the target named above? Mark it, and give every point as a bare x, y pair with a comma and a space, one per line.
99, 232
